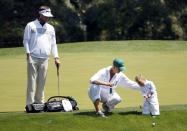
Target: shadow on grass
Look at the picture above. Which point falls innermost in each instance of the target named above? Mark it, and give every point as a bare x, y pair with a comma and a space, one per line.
9, 112
130, 113
93, 114
87, 113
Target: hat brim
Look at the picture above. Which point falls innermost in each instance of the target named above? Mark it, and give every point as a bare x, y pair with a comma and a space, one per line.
122, 69
47, 14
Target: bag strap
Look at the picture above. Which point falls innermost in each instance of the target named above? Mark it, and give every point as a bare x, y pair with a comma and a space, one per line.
60, 97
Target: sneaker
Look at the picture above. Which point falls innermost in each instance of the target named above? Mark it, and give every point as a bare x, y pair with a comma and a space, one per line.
100, 113
106, 108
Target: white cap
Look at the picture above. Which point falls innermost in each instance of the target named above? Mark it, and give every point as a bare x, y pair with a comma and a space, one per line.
46, 12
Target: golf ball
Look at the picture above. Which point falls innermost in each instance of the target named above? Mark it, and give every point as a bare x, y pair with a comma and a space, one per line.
153, 124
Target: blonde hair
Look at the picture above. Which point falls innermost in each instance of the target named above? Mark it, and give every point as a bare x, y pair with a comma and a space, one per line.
139, 77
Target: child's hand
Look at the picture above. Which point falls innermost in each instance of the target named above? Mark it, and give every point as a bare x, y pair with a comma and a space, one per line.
145, 97
149, 94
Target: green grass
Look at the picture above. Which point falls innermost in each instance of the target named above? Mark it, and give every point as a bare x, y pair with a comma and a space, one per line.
172, 118
164, 62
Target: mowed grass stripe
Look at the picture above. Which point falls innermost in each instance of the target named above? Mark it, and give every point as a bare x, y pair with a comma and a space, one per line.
108, 46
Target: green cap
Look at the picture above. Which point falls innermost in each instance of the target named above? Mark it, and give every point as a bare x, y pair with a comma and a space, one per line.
119, 63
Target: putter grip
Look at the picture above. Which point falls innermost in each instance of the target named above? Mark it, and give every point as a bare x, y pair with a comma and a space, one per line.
110, 90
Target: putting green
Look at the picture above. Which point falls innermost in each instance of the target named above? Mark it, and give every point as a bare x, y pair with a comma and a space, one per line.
163, 62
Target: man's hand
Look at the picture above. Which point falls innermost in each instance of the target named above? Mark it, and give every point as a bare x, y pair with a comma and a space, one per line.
57, 63
98, 82
109, 84
28, 56
29, 59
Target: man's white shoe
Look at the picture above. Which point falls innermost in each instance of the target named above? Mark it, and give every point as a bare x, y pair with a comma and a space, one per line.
100, 113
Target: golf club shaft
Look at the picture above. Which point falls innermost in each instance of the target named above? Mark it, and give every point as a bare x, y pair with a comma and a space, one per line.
58, 86
58, 81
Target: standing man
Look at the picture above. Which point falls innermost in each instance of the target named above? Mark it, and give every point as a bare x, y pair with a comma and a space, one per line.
103, 85
39, 41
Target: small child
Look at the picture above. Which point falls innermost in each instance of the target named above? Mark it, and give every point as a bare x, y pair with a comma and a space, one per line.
149, 93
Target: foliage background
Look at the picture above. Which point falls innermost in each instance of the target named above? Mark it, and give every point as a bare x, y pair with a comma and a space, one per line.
89, 20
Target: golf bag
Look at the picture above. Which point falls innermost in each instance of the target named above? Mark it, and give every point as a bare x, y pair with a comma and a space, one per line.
61, 104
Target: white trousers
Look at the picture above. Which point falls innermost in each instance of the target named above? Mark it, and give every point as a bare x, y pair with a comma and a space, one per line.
36, 77
151, 106
103, 94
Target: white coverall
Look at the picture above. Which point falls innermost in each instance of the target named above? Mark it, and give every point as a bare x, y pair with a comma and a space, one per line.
151, 105
102, 92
